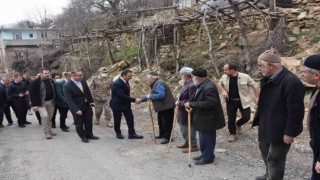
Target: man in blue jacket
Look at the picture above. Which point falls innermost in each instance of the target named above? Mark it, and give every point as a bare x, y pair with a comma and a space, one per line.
163, 103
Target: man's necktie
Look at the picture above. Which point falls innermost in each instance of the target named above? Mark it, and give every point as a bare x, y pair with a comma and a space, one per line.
127, 83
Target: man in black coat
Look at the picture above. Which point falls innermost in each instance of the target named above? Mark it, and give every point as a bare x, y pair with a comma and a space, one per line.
17, 92
42, 95
279, 114
121, 104
311, 72
207, 115
80, 102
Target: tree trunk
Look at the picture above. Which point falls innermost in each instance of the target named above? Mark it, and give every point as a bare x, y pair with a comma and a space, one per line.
139, 50
176, 44
87, 47
247, 63
111, 58
145, 49
273, 21
156, 52
210, 51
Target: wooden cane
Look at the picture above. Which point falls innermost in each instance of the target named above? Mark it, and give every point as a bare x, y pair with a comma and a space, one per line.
150, 111
173, 126
189, 133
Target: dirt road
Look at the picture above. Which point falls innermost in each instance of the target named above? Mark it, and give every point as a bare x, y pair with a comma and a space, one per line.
25, 154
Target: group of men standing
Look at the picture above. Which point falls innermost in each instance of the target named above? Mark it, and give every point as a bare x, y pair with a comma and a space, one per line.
279, 114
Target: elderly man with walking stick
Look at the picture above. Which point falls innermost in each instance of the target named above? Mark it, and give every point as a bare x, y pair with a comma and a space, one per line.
207, 115
186, 94
163, 103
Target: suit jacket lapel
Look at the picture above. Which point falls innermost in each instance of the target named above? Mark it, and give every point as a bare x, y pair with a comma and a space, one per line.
74, 84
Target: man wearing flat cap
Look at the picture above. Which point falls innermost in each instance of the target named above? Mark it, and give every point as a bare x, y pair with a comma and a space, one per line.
207, 115
235, 87
311, 73
279, 113
186, 94
163, 103
100, 87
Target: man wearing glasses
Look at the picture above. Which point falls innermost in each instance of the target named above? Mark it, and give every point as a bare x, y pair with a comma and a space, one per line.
80, 102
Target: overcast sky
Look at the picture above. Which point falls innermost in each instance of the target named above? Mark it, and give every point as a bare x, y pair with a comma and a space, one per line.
12, 11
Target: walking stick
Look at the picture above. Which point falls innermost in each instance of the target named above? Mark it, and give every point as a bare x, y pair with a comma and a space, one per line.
173, 126
189, 133
150, 111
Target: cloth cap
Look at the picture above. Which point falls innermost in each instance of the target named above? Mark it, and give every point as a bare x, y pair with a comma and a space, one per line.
200, 72
313, 62
103, 69
152, 73
186, 70
271, 56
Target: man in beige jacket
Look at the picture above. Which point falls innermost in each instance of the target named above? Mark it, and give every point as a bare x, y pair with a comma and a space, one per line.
235, 88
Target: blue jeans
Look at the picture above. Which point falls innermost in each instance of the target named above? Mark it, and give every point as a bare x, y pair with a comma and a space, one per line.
207, 145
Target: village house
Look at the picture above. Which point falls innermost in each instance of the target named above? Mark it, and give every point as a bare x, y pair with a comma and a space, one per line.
14, 42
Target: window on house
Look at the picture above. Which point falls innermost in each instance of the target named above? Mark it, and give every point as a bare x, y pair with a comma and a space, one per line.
31, 35
44, 35
17, 36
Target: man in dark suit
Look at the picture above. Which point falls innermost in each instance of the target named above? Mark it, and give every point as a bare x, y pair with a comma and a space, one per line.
207, 115
121, 103
61, 102
80, 101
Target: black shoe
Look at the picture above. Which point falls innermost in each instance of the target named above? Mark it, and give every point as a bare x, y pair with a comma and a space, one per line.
263, 177
22, 125
53, 126
135, 136
120, 136
93, 137
67, 127
27, 122
159, 137
202, 162
165, 141
85, 140
1, 126
197, 158
64, 130
10, 124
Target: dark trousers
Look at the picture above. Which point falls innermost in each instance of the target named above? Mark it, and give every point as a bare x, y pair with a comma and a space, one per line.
274, 156
53, 120
21, 108
38, 116
315, 175
232, 108
7, 111
165, 121
207, 145
129, 119
63, 111
84, 123
1, 114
